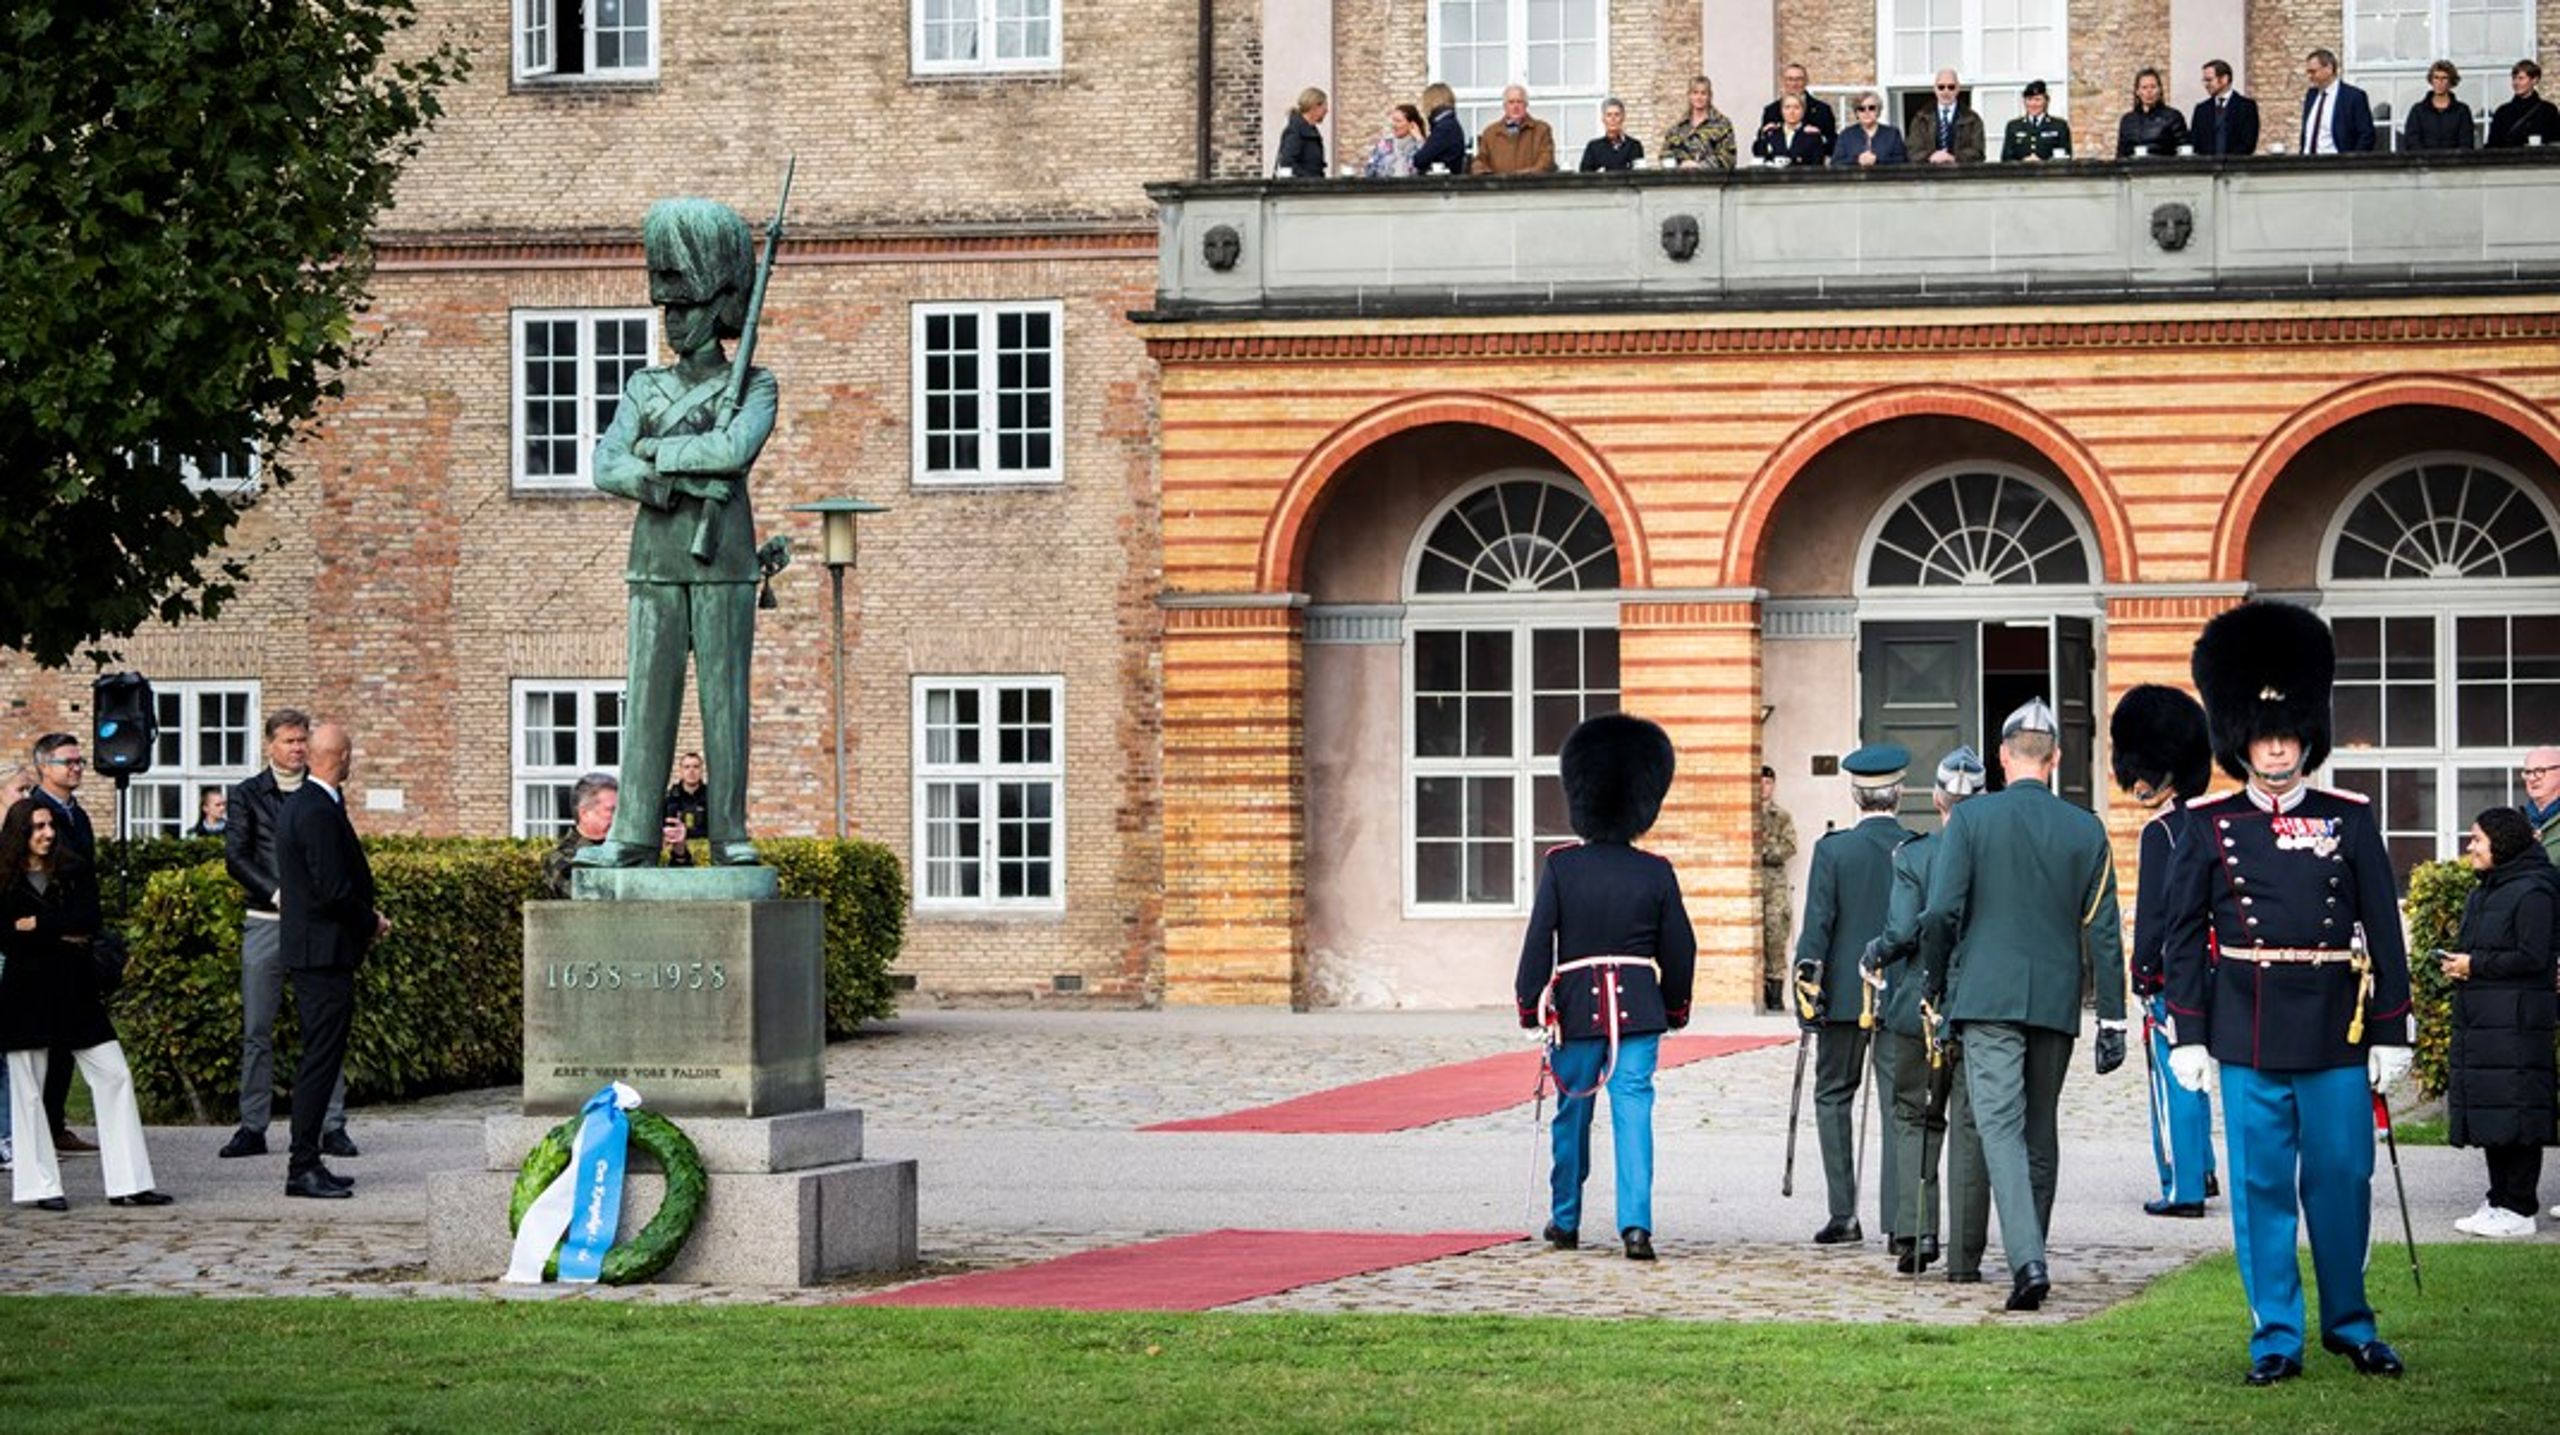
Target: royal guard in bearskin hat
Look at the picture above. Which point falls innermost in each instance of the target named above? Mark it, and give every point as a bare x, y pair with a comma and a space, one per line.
2163, 757
2286, 966
1607, 967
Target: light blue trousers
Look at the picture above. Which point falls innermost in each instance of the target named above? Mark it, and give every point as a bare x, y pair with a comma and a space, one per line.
1577, 1065
2300, 1141
2184, 1151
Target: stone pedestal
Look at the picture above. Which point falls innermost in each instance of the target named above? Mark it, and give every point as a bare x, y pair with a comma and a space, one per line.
791, 1202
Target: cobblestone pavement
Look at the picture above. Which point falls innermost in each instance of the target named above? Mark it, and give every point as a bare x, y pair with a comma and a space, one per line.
1024, 1123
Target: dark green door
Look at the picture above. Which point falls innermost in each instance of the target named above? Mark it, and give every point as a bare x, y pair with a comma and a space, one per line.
1919, 685
2075, 675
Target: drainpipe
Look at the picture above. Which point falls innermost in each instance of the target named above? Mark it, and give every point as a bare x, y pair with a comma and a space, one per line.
1205, 110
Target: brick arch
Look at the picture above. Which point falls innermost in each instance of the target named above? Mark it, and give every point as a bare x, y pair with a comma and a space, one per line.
2259, 476
1281, 567
1748, 533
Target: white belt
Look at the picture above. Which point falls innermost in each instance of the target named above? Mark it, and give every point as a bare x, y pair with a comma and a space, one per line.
1608, 967
254, 915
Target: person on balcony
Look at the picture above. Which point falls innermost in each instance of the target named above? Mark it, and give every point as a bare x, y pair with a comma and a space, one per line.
1517, 143
1950, 130
1392, 156
1817, 111
2035, 135
2528, 118
1613, 147
2439, 121
1703, 138
2225, 122
1301, 143
1444, 149
1868, 141
1793, 141
2152, 126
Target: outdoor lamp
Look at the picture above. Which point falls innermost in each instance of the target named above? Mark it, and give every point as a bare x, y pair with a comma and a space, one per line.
837, 548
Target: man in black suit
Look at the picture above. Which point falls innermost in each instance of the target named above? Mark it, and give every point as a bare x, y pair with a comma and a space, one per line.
2336, 116
2226, 123
329, 920
59, 768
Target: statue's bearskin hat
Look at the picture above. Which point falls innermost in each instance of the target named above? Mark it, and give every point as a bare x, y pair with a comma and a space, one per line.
2158, 736
1616, 768
2265, 669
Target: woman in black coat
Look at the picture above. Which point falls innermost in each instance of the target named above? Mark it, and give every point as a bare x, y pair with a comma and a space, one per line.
2500, 1096
2438, 120
51, 998
2151, 126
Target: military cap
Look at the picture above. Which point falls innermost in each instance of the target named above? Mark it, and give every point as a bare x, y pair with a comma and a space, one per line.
1960, 772
2033, 715
1878, 764
2034, 87
1616, 769
2265, 669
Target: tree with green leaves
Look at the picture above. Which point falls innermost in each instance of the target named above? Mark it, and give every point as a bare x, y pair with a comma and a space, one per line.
186, 187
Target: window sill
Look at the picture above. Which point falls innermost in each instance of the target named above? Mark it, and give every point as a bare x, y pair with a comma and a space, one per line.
561, 493
993, 916
582, 84
980, 483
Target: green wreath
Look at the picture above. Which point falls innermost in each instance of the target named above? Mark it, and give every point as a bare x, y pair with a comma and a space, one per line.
646, 1254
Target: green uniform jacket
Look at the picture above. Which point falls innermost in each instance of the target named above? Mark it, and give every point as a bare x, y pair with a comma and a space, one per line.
655, 406
2022, 899
1844, 904
2026, 137
1899, 1008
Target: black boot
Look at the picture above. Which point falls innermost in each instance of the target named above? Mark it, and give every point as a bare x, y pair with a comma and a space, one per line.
1842, 1231
2027, 1292
1639, 1243
1919, 1257
1560, 1238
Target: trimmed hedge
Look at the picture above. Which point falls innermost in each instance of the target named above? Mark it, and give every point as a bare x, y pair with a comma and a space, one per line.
2436, 893
440, 1004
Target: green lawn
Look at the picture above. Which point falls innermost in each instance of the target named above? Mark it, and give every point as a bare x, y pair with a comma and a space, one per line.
2479, 1344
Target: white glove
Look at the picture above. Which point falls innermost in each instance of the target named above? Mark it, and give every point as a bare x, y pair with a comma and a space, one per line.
2385, 1065
2192, 1067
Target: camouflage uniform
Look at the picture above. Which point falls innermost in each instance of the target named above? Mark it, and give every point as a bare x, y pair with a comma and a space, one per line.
1777, 904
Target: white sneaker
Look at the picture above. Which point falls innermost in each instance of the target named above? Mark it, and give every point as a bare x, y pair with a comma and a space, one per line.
2503, 1224
2470, 1225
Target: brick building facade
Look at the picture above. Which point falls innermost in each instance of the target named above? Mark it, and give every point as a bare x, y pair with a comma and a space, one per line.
1175, 617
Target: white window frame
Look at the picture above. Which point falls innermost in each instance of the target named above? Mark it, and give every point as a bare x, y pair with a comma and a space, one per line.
2445, 602
987, 773
523, 775
190, 774
592, 405
988, 24
537, 38
1572, 113
1996, 95
987, 315
243, 484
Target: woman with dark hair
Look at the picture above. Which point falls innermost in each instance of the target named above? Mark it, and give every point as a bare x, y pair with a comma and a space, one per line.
50, 997
2500, 1092
2152, 126
2438, 120
2528, 118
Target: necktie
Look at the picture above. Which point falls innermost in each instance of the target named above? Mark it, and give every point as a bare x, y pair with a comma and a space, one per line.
1946, 129
2312, 130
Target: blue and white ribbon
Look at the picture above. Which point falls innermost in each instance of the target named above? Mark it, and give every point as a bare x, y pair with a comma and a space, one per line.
584, 1202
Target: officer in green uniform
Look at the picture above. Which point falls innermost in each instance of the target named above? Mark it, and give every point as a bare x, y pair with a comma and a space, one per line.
1844, 908
680, 452
2035, 134
1916, 1124
2022, 900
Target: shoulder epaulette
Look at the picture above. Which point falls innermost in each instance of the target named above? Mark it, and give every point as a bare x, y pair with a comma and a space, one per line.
1562, 847
2198, 804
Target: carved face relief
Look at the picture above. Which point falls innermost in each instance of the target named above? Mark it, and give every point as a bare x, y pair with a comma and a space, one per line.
2172, 225
1680, 238
1221, 247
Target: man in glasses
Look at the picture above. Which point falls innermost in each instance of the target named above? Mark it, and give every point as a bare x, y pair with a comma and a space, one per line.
2035, 135
1818, 115
1948, 130
2542, 796
60, 765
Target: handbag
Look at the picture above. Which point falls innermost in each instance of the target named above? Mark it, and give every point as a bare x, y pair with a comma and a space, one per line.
109, 954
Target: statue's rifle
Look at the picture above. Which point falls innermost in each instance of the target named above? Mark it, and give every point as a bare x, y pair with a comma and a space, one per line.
706, 529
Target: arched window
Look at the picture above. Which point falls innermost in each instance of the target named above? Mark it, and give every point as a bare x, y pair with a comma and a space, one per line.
2441, 582
1510, 639
1978, 528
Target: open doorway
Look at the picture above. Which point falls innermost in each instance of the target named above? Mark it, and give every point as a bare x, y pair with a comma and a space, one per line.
1931, 685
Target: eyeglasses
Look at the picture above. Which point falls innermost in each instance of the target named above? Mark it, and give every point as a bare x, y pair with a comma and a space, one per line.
66, 762
1947, 89
2530, 773
1866, 109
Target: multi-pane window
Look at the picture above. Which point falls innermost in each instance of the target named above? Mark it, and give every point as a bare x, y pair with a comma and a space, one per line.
586, 39
563, 729
990, 789
1978, 529
570, 366
208, 741
2440, 593
1994, 46
963, 37
2390, 44
1556, 49
1504, 654
987, 393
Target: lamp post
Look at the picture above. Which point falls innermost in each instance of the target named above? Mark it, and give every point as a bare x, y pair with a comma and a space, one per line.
837, 549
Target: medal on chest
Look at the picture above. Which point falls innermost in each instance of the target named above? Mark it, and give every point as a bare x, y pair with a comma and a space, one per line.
2315, 835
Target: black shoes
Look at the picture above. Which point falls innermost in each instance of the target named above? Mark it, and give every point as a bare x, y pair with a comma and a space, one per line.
1843, 1230
2212, 1187
2371, 1358
317, 1184
1639, 1243
336, 1143
244, 1142
139, 1198
1560, 1238
2271, 1369
1911, 1258
69, 1142
2191, 1210
1964, 1278
52, 1203
2027, 1292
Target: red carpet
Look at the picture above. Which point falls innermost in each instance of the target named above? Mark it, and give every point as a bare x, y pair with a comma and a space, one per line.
1188, 1272
1435, 1094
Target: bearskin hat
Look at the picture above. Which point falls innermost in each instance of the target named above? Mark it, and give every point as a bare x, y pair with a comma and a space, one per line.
2158, 736
2264, 670
1616, 768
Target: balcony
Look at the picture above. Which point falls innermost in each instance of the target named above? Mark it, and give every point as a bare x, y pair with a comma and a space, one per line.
2080, 231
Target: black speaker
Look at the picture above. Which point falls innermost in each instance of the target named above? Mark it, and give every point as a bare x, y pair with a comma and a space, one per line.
126, 725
